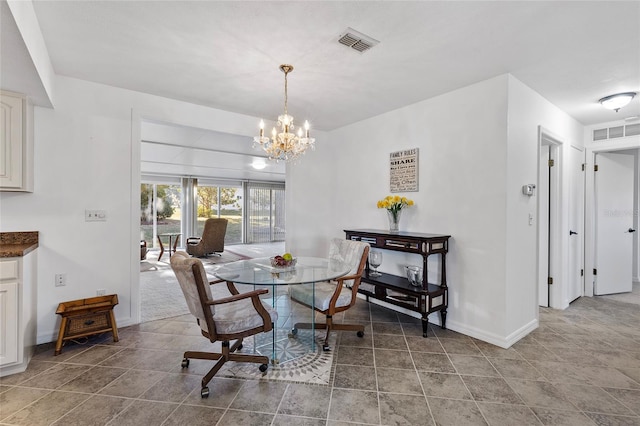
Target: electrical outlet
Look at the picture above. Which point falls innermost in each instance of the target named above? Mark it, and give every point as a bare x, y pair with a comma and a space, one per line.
61, 280
101, 292
95, 215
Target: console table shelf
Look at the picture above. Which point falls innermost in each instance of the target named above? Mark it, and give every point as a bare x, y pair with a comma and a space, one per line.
397, 290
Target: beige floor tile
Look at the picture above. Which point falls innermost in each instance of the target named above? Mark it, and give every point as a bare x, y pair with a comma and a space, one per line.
172, 387
284, 420
453, 412
145, 413
473, 365
354, 356
97, 410
14, 399
259, 396
491, 389
246, 418
47, 409
306, 401
593, 399
629, 397
438, 363
398, 381
551, 417
354, 406
194, 416
508, 415
354, 377
540, 394
516, 368
132, 383
420, 344
388, 341
443, 385
398, 409
93, 380
386, 358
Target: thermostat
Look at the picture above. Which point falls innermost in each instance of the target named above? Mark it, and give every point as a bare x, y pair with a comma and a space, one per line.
528, 189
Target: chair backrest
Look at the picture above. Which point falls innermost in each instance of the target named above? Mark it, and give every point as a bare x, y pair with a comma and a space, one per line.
351, 252
213, 234
195, 287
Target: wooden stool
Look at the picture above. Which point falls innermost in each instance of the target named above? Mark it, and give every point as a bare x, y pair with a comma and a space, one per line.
86, 317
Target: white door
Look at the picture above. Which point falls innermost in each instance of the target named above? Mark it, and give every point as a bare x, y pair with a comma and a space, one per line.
576, 219
614, 223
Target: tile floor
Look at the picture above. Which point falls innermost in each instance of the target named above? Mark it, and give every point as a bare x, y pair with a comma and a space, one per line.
580, 367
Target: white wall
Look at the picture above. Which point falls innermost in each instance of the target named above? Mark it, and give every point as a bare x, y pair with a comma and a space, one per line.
462, 141
527, 111
87, 157
478, 146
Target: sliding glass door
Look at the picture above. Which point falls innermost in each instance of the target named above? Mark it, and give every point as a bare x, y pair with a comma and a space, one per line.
224, 200
160, 210
255, 210
265, 212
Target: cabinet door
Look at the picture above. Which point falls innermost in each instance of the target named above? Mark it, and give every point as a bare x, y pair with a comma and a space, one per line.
11, 141
8, 323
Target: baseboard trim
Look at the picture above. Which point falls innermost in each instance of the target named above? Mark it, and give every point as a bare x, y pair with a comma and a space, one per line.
504, 342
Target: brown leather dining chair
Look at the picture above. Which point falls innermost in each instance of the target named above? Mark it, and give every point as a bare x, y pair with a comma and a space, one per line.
232, 317
335, 296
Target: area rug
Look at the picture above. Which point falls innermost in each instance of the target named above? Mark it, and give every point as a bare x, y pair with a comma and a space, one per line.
296, 363
160, 293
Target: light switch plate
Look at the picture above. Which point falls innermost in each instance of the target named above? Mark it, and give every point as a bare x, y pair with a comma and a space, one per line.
95, 215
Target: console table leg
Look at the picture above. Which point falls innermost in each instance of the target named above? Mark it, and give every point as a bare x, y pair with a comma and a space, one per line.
443, 318
425, 325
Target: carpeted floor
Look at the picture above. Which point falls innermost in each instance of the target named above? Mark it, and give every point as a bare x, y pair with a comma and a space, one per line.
159, 289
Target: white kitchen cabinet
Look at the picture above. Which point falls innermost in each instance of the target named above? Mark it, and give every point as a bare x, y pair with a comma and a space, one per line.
17, 313
16, 143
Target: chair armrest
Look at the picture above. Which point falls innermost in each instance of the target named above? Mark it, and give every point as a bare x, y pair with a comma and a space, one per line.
232, 288
192, 240
236, 297
349, 277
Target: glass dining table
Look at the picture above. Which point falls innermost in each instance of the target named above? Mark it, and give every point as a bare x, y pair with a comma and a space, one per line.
259, 273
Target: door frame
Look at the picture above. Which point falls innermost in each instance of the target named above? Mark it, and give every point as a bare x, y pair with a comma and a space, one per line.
551, 219
590, 207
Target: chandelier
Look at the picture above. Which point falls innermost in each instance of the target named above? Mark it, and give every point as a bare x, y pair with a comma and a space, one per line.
284, 143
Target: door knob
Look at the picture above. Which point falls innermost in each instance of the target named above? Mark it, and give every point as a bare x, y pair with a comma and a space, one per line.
572, 233
632, 230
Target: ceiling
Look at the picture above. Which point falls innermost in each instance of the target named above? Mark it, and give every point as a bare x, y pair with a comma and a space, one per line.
226, 54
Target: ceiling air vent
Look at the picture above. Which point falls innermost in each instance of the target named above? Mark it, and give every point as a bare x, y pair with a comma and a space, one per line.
356, 40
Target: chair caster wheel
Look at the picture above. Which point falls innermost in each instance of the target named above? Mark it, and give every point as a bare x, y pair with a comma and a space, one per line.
204, 392
239, 348
360, 334
263, 367
185, 363
293, 333
326, 348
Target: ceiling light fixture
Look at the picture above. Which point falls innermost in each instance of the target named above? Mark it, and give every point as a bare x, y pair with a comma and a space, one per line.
284, 144
617, 101
258, 163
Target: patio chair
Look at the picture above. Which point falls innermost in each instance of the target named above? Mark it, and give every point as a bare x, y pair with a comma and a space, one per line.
232, 317
334, 296
212, 240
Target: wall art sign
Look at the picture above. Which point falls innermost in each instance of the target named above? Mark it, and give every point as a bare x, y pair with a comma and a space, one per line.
403, 170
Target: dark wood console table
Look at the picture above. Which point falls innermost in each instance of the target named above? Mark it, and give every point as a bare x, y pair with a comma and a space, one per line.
431, 297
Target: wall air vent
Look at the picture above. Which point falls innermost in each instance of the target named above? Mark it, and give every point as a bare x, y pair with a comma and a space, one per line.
600, 134
356, 40
632, 129
616, 132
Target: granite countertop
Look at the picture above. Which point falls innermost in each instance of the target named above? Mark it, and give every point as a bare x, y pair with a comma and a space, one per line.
17, 244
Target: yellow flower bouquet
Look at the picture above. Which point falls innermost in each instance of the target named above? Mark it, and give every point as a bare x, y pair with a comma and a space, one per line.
394, 205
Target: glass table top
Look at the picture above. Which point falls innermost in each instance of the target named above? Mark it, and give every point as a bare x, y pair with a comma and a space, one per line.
259, 271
